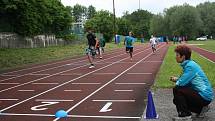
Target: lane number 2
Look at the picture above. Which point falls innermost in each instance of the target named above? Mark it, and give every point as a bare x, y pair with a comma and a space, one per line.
42, 106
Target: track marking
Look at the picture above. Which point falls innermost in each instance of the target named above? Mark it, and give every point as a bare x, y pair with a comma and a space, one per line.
8, 83
123, 90
45, 83
130, 83
106, 107
113, 100
72, 90
86, 83
52, 100
140, 73
39, 74
104, 73
26, 90
205, 57
71, 74
9, 99
74, 116
39, 107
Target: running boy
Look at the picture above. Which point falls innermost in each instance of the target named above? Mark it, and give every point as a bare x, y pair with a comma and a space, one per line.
128, 42
90, 51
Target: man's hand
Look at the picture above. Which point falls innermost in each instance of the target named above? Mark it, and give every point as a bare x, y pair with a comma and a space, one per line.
173, 78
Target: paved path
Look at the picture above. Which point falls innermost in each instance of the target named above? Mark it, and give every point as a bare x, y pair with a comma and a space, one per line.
166, 109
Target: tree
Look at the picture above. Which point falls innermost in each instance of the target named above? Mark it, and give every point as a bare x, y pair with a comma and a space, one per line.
79, 12
102, 23
207, 13
32, 17
91, 11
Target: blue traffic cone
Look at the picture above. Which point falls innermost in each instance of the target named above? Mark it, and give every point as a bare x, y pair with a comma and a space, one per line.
150, 109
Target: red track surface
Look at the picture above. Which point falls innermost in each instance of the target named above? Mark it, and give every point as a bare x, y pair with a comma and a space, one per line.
114, 91
205, 53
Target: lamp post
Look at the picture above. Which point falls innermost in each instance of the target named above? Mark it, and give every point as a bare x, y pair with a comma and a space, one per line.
114, 21
139, 4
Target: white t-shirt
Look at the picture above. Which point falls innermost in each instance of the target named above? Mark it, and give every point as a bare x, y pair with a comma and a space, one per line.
153, 41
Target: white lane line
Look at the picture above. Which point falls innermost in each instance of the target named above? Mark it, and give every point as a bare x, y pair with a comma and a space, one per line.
72, 90
26, 90
130, 83
113, 100
9, 99
45, 83
86, 83
123, 90
52, 100
9, 83
140, 73
71, 74
39, 74
76, 116
205, 57
104, 73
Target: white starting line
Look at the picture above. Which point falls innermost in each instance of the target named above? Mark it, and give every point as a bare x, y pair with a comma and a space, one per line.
71, 116
72, 90
45, 83
86, 83
26, 90
52, 100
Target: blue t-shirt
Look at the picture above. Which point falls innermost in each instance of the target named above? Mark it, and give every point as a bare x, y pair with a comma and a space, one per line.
129, 41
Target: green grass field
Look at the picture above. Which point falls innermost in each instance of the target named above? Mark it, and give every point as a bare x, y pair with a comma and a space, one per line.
14, 58
171, 68
209, 44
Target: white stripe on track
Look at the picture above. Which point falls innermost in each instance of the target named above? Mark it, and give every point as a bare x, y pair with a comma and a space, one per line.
71, 116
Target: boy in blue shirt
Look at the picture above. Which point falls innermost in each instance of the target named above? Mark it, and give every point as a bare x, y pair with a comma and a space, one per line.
193, 91
128, 42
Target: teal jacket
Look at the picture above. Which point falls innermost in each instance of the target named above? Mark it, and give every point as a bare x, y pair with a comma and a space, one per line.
194, 77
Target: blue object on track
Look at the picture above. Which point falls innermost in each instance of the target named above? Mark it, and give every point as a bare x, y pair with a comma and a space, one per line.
61, 114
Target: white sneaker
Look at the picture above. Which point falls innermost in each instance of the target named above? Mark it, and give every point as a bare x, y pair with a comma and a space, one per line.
92, 66
100, 57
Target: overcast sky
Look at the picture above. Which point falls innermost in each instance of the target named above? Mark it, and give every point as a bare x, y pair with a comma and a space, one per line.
153, 6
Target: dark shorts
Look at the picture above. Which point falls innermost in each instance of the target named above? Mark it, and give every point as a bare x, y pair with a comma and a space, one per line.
129, 49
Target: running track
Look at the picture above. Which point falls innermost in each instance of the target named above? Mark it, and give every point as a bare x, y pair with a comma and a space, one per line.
114, 91
209, 55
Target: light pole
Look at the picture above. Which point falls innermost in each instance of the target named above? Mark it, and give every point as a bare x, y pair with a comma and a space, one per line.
114, 21
139, 4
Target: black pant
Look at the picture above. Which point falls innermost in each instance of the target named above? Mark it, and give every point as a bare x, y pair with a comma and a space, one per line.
188, 100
